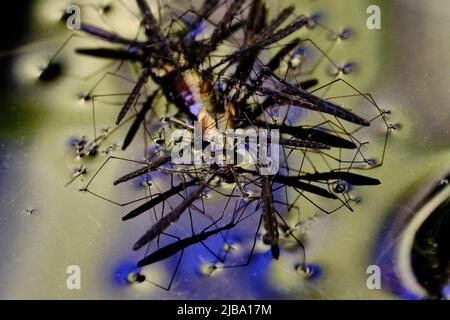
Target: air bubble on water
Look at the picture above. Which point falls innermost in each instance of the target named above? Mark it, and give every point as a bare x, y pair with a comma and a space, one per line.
395, 126
313, 20
231, 246
111, 148
74, 141
164, 121
296, 60
345, 34
247, 196
371, 162
144, 180
308, 271
135, 277
77, 173
106, 8
30, 211
208, 269
84, 96
356, 199
79, 170
49, 71
347, 68
206, 194
333, 35
127, 273
342, 186
333, 70
300, 52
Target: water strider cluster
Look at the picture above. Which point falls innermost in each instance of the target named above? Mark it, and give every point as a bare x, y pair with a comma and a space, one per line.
230, 65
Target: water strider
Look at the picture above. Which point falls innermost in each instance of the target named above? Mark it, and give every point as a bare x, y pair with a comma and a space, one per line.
195, 75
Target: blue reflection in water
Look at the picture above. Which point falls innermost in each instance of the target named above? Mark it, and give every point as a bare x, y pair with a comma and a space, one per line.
257, 273
247, 280
122, 271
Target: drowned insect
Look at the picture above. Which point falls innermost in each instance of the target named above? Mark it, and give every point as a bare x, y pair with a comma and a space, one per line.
244, 70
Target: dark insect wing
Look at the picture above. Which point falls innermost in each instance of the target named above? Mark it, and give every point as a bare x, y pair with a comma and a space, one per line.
264, 42
165, 222
159, 199
296, 143
224, 24
313, 135
293, 95
173, 248
109, 36
276, 22
152, 165
295, 183
308, 84
208, 7
205, 49
255, 21
140, 117
153, 32
108, 53
50, 72
350, 177
305, 100
315, 103
272, 65
134, 94
318, 135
